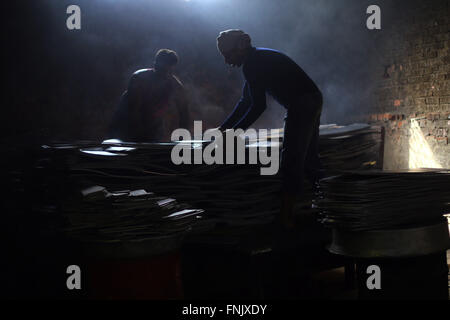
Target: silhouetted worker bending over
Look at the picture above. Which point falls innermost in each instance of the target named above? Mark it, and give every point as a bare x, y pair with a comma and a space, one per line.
154, 105
268, 70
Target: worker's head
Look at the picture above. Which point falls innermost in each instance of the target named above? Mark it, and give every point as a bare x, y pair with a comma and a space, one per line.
234, 45
165, 60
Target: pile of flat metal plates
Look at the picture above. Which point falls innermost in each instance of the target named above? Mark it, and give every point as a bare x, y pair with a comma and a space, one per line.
357, 146
135, 191
380, 200
125, 215
231, 194
83, 191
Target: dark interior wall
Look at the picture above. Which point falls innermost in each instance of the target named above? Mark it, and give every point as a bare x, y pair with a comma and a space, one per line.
65, 84
412, 95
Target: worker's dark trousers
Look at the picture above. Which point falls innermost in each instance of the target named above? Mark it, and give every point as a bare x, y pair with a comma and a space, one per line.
300, 152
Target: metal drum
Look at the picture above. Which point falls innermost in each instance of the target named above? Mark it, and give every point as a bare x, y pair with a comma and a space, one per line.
393, 243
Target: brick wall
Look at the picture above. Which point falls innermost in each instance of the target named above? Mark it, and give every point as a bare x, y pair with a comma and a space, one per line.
412, 77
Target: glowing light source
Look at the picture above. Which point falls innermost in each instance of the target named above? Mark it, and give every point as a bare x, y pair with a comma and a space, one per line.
420, 154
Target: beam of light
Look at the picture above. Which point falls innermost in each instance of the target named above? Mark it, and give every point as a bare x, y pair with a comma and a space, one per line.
420, 154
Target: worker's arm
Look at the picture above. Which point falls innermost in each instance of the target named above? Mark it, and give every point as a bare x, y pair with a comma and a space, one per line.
239, 110
257, 106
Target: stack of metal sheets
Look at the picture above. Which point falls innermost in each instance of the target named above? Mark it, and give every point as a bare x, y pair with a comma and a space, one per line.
357, 146
379, 200
83, 191
231, 194
125, 215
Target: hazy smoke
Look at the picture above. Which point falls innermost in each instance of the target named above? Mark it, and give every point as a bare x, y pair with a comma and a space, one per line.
80, 75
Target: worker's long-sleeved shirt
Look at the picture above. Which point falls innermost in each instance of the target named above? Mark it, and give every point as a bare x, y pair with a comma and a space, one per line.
268, 70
